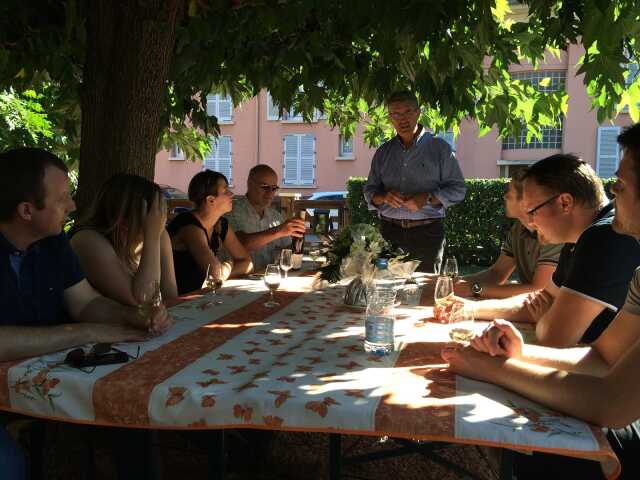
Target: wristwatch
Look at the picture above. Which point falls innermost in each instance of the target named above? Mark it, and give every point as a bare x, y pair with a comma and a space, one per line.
476, 289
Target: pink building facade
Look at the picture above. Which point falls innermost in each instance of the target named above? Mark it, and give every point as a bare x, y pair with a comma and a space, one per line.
312, 157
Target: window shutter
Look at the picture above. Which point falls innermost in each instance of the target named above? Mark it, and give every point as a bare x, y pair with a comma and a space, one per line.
608, 152
290, 154
272, 109
307, 159
212, 105
219, 160
225, 108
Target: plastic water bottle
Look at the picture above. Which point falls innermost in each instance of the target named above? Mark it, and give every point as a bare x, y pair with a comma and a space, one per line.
380, 315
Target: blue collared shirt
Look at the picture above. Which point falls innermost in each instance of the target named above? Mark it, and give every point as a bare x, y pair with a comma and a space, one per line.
427, 166
32, 283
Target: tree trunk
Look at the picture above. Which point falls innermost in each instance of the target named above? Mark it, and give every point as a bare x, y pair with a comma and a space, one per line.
130, 45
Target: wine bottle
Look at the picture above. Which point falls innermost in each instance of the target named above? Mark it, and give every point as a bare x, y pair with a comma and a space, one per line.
297, 243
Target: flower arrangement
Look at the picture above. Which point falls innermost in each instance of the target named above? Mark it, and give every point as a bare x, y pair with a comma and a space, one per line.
354, 252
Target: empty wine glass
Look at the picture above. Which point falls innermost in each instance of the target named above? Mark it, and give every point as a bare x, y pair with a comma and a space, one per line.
286, 260
443, 297
213, 281
451, 268
272, 281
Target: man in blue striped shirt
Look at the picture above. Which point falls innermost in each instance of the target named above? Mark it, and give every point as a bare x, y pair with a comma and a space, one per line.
414, 177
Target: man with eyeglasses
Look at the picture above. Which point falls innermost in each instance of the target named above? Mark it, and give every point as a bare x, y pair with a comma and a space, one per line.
414, 177
566, 203
261, 228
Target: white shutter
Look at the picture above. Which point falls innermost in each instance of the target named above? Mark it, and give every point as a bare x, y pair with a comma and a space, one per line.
219, 160
290, 159
225, 109
307, 159
272, 109
220, 107
608, 152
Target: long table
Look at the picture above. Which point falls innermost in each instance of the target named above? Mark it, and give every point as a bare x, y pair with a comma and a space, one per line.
297, 367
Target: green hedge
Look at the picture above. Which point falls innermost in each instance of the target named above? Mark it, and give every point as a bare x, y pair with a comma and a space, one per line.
474, 228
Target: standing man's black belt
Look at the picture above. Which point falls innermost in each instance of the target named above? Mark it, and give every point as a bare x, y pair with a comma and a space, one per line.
405, 223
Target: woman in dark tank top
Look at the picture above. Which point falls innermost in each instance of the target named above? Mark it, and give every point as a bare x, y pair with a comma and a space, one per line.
198, 236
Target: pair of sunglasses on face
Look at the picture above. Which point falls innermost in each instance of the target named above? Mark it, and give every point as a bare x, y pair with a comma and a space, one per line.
100, 354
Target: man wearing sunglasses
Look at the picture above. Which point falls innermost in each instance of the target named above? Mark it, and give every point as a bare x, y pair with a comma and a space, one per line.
414, 177
261, 228
566, 203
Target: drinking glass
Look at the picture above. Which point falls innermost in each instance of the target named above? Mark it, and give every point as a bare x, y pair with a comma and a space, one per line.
150, 298
286, 260
213, 281
443, 297
272, 281
461, 321
451, 268
436, 267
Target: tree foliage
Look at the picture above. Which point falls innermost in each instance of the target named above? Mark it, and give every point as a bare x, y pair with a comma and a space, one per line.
347, 56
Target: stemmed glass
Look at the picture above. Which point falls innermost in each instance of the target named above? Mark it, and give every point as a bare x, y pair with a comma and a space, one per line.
451, 268
443, 297
286, 261
213, 281
272, 281
150, 298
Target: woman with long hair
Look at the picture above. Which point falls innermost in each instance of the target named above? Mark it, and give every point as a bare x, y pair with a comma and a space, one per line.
198, 236
122, 243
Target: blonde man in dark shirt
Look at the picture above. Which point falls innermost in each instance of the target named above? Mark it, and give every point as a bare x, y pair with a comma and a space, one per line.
521, 252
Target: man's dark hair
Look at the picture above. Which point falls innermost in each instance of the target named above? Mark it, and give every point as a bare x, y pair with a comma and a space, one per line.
566, 173
22, 179
402, 96
629, 140
517, 180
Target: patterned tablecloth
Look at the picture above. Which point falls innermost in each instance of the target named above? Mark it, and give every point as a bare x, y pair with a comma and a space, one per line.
299, 367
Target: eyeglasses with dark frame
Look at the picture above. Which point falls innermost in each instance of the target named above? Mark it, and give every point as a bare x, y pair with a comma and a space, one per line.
531, 213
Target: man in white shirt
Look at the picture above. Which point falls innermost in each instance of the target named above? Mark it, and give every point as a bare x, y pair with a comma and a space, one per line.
261, 228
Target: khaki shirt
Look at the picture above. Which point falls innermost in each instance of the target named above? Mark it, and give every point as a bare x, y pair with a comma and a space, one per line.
523, 246
632, 303
244, 218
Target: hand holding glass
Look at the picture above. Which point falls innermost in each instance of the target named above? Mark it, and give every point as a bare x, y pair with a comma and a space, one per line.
443, 297
213, 281
272, 281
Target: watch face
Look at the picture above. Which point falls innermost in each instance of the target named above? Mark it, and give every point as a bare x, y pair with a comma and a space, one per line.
476, 288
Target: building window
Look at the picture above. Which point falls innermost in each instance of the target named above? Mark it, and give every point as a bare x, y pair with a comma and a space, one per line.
220, 157
299, 160
176, 153
345, 148
608, 151
291, 115
220, 106
551, 136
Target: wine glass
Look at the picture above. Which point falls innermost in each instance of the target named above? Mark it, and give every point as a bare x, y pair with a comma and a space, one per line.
286, 261
451, 268
272, 281
213, 281
443, 297
461, 321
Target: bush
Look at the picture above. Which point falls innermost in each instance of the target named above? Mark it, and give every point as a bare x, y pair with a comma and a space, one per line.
474, 228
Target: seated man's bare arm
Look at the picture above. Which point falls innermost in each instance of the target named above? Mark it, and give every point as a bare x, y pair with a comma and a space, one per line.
541, 278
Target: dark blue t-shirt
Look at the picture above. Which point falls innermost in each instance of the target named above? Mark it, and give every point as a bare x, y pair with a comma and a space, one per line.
34, 297
599, 266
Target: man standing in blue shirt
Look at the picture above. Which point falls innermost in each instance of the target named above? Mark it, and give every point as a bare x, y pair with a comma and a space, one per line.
46, 304
414, 177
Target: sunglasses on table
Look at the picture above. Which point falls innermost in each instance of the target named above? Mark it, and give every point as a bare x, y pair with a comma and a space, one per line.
100, 354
